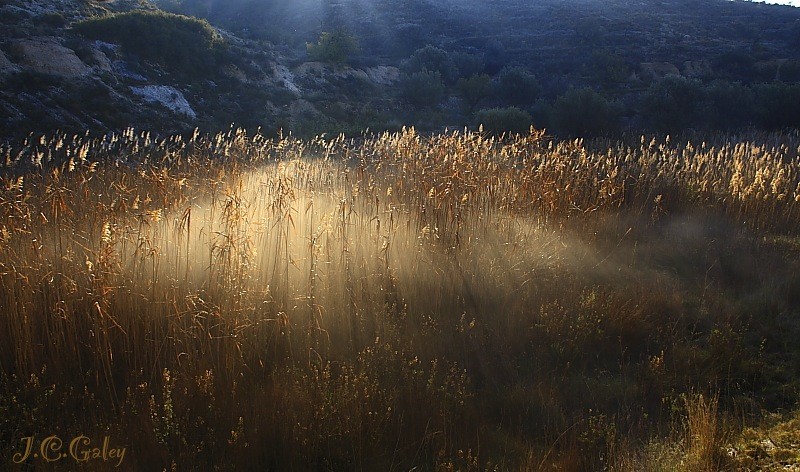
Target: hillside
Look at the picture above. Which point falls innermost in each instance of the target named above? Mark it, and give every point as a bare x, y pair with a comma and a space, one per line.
61, 68
575, 68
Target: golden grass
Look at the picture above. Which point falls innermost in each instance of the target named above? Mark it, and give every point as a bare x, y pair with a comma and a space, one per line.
451, 302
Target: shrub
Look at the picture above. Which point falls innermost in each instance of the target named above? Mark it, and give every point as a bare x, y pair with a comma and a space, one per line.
777, 105
502, 120
468, 64
675, 103
584, 112
517, 86
731, 104
432, 59
609, 69
496, 55
422, 89
474, 89
333, 48
14, 17
196, 8
182, 45
738, 64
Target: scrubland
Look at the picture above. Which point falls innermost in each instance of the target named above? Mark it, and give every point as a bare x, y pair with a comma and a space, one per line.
404, 302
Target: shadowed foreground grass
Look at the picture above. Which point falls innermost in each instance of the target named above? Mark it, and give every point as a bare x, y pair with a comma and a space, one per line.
401, 302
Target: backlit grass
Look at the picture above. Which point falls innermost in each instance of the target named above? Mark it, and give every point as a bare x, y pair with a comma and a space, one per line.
447, 302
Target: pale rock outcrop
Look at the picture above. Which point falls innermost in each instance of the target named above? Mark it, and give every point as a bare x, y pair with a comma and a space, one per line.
100, 61
319, 72
283, 75
167, 96
46, 55
383, 75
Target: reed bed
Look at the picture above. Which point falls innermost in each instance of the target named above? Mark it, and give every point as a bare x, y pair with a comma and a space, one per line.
446, 302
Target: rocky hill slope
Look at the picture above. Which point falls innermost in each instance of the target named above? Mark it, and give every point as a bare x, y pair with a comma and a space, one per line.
579, 67
55, 75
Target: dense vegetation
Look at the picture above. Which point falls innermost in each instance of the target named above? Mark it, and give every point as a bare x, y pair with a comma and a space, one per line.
659, 66
580, 68
335, 47
182, 45
451, 302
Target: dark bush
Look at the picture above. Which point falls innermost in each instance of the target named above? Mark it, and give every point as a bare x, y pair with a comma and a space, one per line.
333, 48
13, 17
468, 64
731, 105
517, 86
777, 105
433, 59
495, 56
181, 45
609, 69
422, 89
584, 112
737, 64
474, 89
504, 120
675, 103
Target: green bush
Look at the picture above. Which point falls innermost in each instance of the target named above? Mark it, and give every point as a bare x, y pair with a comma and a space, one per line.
517, 86
736, 64
731, 105
584, 112
433, 59
504, 120
675, 103
422, 89
333, 48
181, 45
777, 105
609, 69
474, 89
468, 64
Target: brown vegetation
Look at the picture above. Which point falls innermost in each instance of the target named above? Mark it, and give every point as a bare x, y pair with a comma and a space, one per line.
452, 302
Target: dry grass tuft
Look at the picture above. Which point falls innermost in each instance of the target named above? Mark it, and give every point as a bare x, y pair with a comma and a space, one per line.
705, 438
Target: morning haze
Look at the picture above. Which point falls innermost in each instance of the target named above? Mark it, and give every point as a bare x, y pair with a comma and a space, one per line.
378, 235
